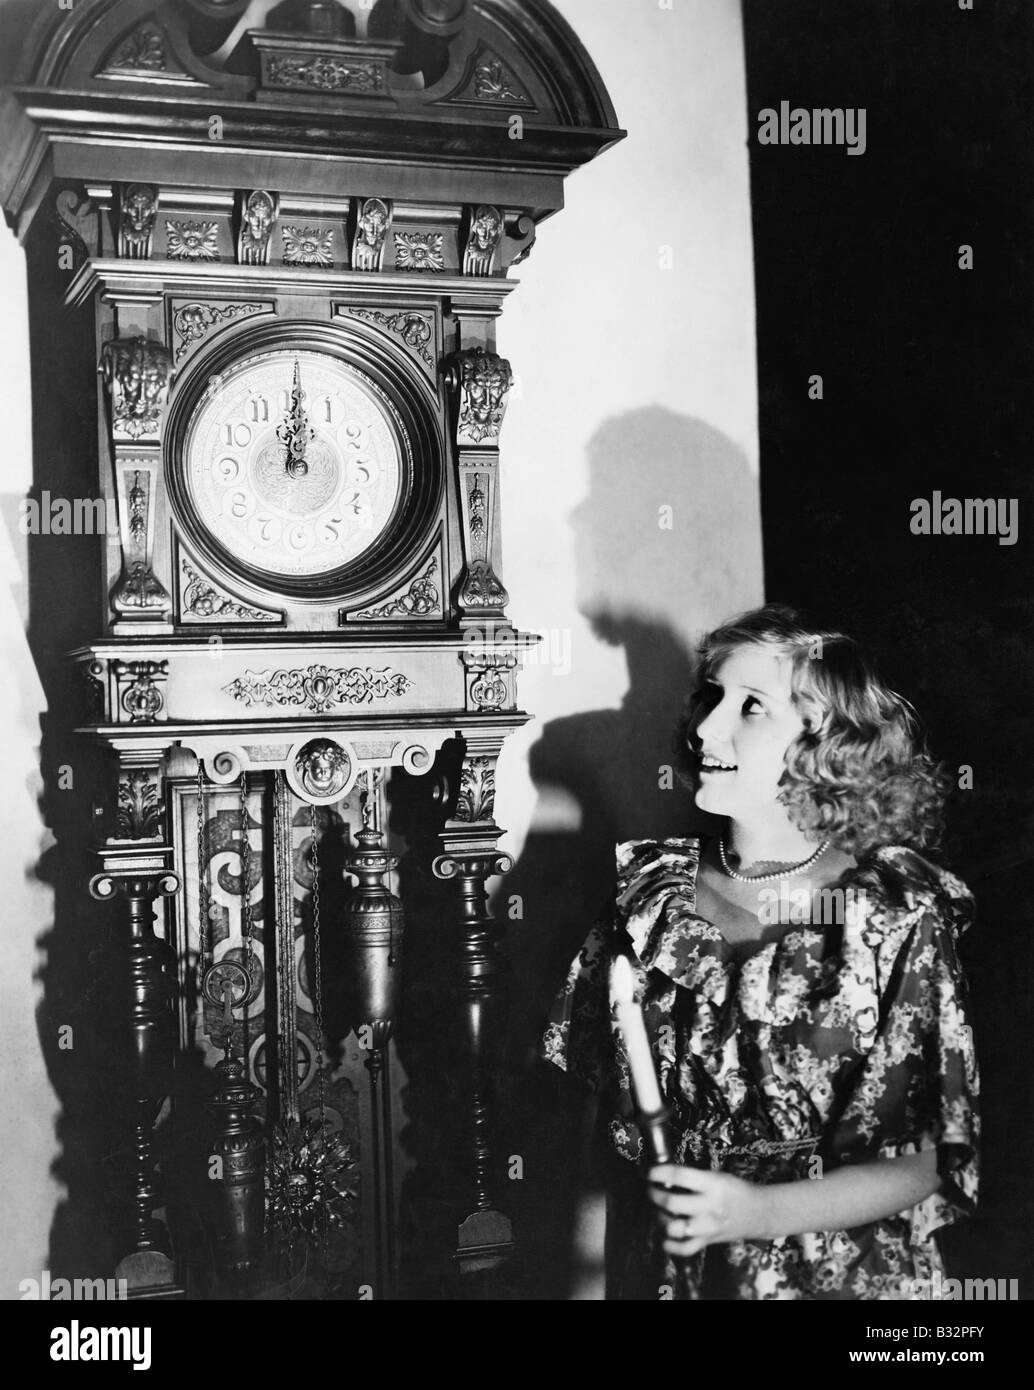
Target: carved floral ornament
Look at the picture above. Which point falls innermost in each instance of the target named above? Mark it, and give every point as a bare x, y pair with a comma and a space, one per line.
139, 813
476, 799
319, 687
419, 599
201, 599
419, 251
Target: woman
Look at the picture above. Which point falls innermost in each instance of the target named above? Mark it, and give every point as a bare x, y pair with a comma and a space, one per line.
801, 989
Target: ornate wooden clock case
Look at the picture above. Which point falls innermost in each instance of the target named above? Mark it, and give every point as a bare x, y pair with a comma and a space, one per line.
292, 227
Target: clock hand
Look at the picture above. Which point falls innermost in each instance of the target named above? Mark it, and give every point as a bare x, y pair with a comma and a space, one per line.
294, 431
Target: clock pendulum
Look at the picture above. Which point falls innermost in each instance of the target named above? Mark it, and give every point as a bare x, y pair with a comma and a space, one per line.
312, 1177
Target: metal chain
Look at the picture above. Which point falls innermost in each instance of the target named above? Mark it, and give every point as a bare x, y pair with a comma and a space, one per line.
280, 927
246, 879
202, 881
316, 983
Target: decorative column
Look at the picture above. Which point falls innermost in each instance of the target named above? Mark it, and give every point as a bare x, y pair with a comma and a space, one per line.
137, 372
143, 976
471, 857
480, 381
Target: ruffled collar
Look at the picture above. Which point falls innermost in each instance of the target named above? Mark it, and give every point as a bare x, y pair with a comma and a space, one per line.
656, 902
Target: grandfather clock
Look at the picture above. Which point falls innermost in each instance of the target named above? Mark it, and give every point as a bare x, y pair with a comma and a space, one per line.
291, 227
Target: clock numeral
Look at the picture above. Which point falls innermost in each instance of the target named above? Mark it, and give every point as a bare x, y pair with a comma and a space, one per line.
268, 529
238, 504
360, 472
299, 537
355, 435
237, 434
330, 532
259, 407
328, 406
228, 470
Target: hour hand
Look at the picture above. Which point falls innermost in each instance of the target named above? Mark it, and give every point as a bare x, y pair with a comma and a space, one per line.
294, 431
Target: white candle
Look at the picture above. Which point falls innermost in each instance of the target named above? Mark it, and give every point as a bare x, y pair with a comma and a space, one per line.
633, 1031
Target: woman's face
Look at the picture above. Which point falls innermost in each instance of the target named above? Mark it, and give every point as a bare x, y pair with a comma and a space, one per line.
751, 721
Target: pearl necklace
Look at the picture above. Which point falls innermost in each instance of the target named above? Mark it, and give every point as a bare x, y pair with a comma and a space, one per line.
771, 878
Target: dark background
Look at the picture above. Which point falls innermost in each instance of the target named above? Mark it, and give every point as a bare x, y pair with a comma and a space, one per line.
928, 377
927, 372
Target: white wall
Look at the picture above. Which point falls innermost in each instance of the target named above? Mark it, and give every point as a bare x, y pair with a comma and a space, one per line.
30, 1108
637, 391
613, 353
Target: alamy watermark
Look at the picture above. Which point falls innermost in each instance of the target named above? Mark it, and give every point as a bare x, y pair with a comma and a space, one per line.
47, 1289
966, 516
786, 905
67, 516
801, 125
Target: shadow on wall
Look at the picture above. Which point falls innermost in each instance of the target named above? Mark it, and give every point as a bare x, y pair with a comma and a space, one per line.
667, 543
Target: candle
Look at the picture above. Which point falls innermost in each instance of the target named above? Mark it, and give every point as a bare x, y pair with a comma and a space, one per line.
633, 1031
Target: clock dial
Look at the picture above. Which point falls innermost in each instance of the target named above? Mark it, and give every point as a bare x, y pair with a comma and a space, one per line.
294, 462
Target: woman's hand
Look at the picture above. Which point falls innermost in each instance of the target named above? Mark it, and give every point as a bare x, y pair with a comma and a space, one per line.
697, 1207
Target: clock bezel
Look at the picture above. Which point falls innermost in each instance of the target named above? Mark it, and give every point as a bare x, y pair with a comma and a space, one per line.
411, 416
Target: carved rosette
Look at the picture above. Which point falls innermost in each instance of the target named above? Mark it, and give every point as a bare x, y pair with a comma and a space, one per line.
323, 73
319, 688
191, 240
308, 246
420, 251
138, 208
373, 222
258, 214
483, 241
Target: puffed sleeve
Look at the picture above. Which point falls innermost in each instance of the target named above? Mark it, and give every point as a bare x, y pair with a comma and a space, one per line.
577, 1038
916, 1085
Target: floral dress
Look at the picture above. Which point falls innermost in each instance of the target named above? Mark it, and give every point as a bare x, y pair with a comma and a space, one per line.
834, 1045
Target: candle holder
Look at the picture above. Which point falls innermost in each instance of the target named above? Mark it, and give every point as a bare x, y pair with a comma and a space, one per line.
653, 1126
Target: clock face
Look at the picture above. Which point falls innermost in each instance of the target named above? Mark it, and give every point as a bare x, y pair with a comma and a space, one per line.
294, 462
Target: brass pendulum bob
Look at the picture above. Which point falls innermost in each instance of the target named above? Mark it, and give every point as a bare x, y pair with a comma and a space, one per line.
372, 927
238, 1161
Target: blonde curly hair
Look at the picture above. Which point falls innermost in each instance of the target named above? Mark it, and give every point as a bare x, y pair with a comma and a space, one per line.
859, 772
